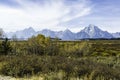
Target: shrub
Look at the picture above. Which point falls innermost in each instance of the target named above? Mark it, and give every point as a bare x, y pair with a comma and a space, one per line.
22, 66
5, 47
41, 45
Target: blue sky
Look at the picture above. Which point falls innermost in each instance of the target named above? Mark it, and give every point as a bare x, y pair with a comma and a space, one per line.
59, 14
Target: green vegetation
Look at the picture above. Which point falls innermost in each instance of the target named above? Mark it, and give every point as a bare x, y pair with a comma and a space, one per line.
5, 47
60, 60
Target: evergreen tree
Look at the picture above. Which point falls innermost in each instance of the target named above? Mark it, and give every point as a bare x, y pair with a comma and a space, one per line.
5, 47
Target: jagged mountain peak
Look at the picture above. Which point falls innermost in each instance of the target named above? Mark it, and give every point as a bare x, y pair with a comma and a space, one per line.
25, 33
46, 31
66, 35
29, 29
95, 32
91, 28
67, 31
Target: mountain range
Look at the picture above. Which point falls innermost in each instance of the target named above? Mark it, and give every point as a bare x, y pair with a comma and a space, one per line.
90, 31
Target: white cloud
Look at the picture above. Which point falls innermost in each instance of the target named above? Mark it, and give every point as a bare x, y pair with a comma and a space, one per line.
83, 12
46, 15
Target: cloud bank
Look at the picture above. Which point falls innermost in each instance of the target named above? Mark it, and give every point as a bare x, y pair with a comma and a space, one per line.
18, 14
59, 14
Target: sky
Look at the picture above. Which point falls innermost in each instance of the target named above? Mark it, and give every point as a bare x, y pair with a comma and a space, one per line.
59, 14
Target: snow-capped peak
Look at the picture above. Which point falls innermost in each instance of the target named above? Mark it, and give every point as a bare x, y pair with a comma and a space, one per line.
91, 29
94, 32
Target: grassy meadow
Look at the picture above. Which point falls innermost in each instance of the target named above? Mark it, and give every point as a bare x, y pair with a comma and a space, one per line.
40, 58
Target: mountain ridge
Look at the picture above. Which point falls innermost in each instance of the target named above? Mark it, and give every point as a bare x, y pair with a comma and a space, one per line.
91, 31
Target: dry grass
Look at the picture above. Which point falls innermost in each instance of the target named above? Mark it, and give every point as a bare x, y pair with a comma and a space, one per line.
30, 78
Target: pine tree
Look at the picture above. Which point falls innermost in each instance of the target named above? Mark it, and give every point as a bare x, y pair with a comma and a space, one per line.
5, 47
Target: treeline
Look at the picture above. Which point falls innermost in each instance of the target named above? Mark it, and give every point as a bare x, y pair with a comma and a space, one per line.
42, 45
100, 39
